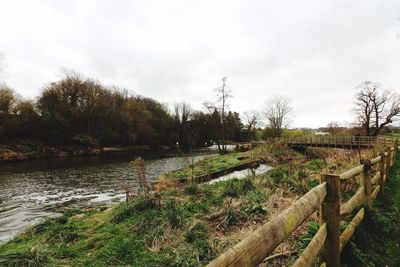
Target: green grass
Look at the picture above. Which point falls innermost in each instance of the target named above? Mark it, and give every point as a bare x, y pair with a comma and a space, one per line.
395, 135
172, 228
276, 152
376, 241
314, 165
210, 164
182, 226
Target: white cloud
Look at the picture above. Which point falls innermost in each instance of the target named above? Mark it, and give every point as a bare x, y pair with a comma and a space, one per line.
316, 52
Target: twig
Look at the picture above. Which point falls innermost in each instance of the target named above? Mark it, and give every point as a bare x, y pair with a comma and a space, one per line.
286, 253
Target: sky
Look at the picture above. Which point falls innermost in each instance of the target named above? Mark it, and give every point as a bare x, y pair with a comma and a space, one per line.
313, 52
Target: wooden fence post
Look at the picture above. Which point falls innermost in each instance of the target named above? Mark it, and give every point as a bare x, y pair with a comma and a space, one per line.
387, 166
331, 216
366, 181
381, 170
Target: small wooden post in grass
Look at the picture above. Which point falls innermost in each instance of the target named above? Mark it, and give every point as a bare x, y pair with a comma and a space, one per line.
331, 216
381, 170
366, 181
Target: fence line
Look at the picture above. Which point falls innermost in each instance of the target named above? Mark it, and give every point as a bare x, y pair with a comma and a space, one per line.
373, 173
352, 142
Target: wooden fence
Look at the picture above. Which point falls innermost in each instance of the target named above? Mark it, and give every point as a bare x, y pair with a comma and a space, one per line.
328, 241
351, 142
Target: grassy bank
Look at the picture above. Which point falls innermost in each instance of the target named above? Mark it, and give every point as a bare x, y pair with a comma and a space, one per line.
377, 240
395, 135
185, 226
274, 153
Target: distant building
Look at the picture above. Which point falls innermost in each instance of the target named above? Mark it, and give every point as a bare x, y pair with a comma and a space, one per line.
320, 133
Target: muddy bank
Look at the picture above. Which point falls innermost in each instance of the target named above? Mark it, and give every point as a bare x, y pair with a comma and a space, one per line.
21, 152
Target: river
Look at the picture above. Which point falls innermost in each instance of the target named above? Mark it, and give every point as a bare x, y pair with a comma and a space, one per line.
31, 191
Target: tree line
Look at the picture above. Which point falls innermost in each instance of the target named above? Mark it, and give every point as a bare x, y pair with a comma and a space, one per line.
81, 111
77, 110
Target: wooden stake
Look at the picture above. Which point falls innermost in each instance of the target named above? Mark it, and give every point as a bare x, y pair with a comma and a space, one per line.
331, 216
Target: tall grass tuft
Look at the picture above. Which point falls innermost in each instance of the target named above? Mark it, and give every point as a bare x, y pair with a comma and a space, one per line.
33, 258
237, 187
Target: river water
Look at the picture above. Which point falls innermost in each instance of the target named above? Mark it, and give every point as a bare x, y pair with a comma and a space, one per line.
33, 190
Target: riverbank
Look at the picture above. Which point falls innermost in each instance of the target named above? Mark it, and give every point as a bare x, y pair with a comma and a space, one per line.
184, 226
28, 150
272, 153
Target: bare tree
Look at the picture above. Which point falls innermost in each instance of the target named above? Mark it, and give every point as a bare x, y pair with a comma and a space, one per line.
333, 128
251, 120
182, 112
223, 94
278, 112
376, 107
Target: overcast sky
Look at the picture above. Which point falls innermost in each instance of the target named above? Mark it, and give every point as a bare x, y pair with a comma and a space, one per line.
316, 52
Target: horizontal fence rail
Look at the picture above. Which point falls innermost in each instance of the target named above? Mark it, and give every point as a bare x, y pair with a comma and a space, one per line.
253, 249
351, 142
372, 174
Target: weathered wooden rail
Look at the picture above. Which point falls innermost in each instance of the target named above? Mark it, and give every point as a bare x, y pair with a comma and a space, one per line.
326, 197
347, 142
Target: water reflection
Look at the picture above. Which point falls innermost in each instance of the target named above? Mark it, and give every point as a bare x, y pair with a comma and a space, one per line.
243, 173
